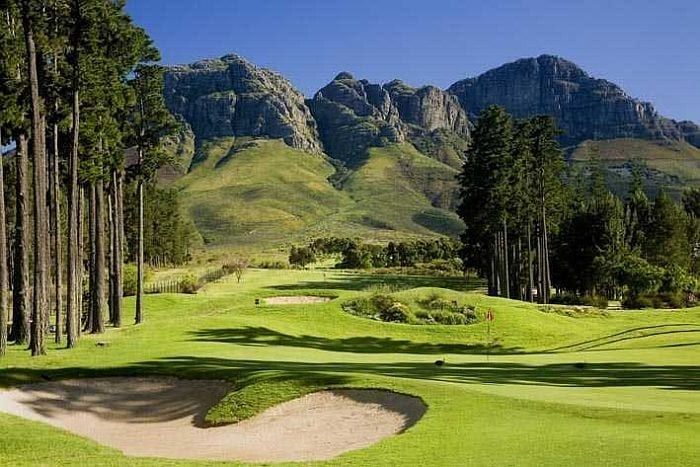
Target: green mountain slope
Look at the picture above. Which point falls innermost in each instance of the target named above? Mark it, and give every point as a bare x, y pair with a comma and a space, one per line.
263, 193
672, 165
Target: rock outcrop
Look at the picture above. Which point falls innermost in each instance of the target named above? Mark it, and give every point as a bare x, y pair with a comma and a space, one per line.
231, 97
584, 107
353, 115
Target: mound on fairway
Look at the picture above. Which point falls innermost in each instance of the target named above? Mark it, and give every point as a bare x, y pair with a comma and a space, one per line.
296, 300
164, 418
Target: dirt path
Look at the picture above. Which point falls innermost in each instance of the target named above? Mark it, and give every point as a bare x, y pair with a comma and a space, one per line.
296, 300
164, 418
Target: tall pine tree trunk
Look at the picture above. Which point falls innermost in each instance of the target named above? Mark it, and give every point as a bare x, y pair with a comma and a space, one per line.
530, 263
81, 257
92, 297
545, 248
139, 259
3, 260
98, 321
21, 292
117, 249
73, 310
506, 262
40, 303
57, 247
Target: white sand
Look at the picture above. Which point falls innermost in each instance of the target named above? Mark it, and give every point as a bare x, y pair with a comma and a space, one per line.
296, 300
163, 417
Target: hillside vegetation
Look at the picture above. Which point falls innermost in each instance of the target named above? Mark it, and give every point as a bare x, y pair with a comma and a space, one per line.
672, 165
265, 193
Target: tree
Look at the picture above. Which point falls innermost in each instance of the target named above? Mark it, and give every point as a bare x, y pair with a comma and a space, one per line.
483, 186
301, 256
237, 266
38, 147
666, 238
3, 258
151, 123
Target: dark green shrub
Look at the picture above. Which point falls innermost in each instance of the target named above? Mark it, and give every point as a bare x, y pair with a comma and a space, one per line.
637, 302
396, 313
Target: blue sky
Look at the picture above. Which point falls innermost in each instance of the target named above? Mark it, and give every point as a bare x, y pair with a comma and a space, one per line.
650, 48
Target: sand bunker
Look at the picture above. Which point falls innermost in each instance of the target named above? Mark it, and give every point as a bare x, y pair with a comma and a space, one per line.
164, 418
296, 300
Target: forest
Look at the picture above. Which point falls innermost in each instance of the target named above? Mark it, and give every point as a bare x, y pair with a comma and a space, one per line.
537, 226
78, 86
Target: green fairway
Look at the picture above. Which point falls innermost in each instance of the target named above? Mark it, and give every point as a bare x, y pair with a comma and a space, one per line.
614, 388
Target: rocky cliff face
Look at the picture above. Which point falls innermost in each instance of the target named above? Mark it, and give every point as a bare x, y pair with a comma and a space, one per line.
231, 97
584, 107
353, 115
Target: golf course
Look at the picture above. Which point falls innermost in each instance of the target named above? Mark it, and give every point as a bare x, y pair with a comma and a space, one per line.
548, 386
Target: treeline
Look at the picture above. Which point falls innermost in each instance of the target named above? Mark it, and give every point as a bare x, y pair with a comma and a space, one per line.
533, 227
77, 86
358, 255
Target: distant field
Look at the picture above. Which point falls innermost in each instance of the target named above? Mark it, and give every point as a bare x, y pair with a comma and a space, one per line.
615, 388
265, 194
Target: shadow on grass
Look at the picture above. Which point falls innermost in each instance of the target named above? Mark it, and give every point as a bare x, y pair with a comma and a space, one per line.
630, 334
595, 375
263, 337
362, 281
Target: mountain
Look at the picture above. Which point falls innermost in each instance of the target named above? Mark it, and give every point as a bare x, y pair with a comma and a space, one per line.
263, 166
231, 97
354, 115
255, 193
584, 107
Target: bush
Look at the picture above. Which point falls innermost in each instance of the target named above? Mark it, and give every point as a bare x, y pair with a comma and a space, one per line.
596, 301
637, 302
396, 313
381, 302
189, 284
130, 278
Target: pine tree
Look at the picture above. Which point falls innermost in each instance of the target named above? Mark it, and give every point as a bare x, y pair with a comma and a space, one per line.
151, 122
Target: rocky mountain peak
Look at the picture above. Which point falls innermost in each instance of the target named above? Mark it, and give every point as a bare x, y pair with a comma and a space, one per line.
230, 96
354, 115
583, 106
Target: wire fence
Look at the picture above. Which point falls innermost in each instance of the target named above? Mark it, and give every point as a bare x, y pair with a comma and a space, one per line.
181, 285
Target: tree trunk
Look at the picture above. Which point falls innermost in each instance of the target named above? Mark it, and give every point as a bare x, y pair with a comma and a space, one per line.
39, 308
530, 263
81, 257
73, 311
98, 321
92, 259
3, 260
506, 263
55, 217
21, 292
116, 272
545, 241
111, 248
139, 259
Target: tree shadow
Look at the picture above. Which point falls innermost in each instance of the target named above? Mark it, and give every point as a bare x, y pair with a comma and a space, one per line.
595, 375
629, 334
260, 336
363, 281
130, 400
592, 375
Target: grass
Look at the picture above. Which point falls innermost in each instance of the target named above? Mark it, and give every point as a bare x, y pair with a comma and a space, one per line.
264, 193
619, 388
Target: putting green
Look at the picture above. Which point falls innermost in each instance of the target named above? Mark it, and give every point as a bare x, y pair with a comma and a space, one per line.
621, 388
